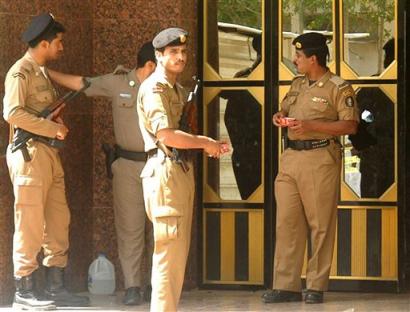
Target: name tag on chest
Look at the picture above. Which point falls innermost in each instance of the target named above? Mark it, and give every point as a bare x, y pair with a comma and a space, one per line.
125, 95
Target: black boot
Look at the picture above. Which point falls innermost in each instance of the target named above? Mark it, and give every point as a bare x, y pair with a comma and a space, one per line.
26, 299
56, 291
277, 296
314, 296
132, 296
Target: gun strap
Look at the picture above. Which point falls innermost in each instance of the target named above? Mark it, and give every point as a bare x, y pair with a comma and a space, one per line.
25, 153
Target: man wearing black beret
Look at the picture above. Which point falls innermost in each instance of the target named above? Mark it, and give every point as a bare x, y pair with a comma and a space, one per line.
168, 180
318, 108
41, 214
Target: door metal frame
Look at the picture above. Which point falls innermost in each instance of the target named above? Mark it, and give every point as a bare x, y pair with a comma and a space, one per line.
271, 85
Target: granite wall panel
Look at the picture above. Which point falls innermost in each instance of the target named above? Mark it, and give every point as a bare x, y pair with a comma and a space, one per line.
77, 156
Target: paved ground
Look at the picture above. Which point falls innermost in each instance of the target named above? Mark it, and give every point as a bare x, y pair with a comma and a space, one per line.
206, 300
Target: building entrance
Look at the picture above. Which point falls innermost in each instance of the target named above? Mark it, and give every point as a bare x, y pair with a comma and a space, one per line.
246, 68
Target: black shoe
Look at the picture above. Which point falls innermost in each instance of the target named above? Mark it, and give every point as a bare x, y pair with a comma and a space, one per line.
132, 296
313, 296
63, 298
56, 291
147, 293
277, 296
26, 299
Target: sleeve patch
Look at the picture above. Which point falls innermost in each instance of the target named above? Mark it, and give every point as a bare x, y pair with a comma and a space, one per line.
349, 101
348, 92
121, 70
157, 89
19, 75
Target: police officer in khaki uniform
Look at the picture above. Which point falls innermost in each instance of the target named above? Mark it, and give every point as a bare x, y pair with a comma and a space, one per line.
168, 184
121, 87
306, 188
41, 214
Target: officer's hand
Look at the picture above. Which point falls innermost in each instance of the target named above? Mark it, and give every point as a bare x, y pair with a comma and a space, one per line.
300, 126
224, 148
213, 148
276, 119
62, 132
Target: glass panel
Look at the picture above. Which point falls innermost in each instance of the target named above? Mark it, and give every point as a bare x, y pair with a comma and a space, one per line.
234, 45
236, 116
368, 35
300, 16
369, 154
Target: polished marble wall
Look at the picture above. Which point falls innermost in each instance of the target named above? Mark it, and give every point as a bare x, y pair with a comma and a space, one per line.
100, 35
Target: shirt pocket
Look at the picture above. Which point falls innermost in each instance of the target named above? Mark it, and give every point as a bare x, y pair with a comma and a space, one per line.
289, 100
45, 96
125, 100
176, 109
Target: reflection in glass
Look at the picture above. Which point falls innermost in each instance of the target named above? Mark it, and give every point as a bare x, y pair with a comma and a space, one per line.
369, 154
300, 16
235, 116
234, 36
368, 26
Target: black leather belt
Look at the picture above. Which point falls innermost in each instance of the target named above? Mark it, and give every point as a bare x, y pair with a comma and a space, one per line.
135, 156
49, 141
300, 145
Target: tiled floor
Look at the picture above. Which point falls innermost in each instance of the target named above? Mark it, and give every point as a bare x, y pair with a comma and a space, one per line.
206, 300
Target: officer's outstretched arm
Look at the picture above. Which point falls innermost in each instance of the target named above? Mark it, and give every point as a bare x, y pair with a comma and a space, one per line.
180, 139
72, 82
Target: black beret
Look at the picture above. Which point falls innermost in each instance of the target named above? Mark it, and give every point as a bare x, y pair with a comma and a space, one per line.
170, 37
146, 53
311, 40
39, 25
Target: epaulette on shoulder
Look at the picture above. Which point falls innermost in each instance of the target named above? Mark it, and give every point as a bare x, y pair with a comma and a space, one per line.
21, 69
297, 77
121, 70
24, 66
339, 82
159, 87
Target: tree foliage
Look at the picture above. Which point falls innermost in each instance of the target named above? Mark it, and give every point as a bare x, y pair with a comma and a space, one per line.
361, 16
242, 12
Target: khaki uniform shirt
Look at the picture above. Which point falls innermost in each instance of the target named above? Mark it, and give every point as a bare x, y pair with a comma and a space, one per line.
27, 92
122, 87
328, 99
160, 105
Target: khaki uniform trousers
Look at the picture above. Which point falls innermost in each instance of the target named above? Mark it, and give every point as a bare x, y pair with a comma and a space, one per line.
41, 214
169, 196
130, 220
306, 190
